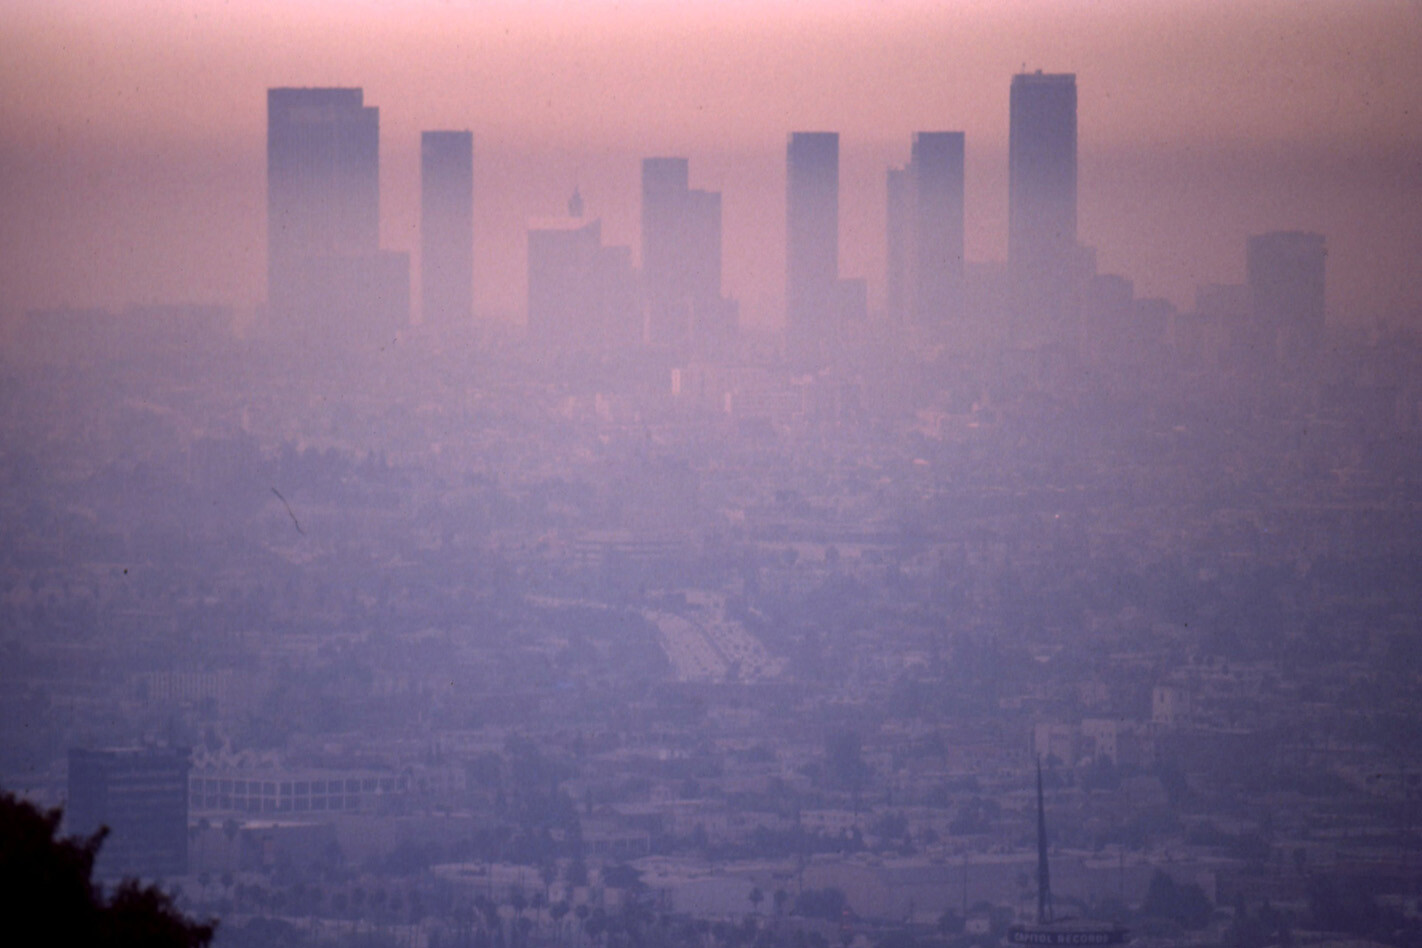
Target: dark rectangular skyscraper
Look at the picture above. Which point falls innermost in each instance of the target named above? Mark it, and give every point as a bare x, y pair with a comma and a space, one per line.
681, 252
141, 795
1041, 213
925, 229
938, 184
447, 228
323, 179
811, 236
665, 182
326, 276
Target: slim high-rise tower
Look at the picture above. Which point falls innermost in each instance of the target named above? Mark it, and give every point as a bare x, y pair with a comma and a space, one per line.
581, 294
447, 229
1041, 214
811, 237
938, 184
681, 252
925, 230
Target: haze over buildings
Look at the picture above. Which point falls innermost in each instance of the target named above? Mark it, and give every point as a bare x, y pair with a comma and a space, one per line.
1302, 128
744, 520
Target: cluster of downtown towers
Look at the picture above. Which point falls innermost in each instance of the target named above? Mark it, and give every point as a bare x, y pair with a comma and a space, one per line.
329, 279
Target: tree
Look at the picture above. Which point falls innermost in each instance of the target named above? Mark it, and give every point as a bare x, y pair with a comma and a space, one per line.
47, 888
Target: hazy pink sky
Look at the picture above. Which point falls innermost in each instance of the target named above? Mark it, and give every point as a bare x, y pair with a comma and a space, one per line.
132, 134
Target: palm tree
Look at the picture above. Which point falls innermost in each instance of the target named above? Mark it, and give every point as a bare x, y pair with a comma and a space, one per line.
583, 913
559, 911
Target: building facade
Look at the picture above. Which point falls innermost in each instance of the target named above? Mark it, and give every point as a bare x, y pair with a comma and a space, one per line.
811, 237
446, 229
681, 254
581, 294
925, 219
1042, 193
141, 795
328, 281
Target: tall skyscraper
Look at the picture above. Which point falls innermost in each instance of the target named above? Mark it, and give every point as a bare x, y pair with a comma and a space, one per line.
925, 226
323, 179
141, 795
811, 238
681, 253
327, 278
447, 229
938, 159
1041, 214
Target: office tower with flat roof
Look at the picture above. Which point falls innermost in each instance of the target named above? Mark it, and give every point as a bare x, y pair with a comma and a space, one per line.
811, 238
925, 224
925, 274
323, 180
681, 253
937, 162
447, 229
327, 278
665, 183
1042, 186
141, 795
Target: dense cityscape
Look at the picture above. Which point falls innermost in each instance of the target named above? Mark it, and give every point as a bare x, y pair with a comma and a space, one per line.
365, 620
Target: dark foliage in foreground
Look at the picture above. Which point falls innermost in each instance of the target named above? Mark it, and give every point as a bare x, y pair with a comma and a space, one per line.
47, 889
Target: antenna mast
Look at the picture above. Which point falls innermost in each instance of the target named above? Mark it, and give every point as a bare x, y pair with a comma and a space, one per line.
1044, 881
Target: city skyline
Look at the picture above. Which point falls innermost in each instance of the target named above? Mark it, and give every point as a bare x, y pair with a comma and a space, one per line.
608, 474
126, 185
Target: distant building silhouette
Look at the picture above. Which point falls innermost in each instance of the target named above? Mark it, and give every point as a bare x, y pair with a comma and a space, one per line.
1042, 191
580, 293
1286, 279
925, 227
327, 279
681, 256
141, 795
447, 229
1286, 290
811, 238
